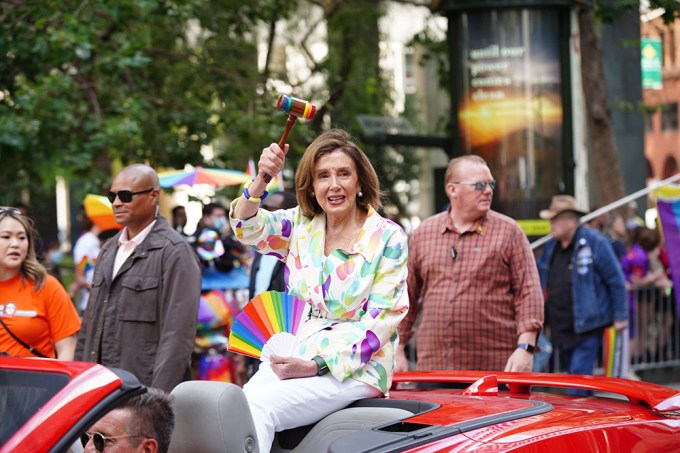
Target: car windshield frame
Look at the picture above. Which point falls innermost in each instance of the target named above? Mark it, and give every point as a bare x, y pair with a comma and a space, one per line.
22, 394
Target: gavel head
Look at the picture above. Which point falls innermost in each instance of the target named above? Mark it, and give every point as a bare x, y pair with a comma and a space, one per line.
295, 107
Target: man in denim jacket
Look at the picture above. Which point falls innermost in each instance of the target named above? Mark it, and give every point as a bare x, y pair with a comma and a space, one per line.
583, 284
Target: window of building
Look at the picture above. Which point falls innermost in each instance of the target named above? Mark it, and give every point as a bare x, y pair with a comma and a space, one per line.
409, 70
664, 50
649, 126
669, 117
670, 167
671, 46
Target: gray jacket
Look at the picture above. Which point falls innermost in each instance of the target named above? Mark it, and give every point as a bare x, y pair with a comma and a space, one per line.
144, 319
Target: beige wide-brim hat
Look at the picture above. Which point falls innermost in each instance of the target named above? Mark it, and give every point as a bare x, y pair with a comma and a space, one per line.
560, 204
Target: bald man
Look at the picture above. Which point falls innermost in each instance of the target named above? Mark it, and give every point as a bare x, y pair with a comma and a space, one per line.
473, 279
143, 305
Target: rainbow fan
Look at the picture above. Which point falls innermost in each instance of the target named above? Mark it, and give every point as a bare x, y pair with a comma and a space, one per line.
270, 319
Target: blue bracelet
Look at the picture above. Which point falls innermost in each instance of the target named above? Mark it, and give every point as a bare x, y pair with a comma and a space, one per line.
249, 197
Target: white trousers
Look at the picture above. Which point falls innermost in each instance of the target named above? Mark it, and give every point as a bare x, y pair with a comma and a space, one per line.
277, 404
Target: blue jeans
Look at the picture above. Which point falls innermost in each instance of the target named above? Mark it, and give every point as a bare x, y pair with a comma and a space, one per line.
581, 359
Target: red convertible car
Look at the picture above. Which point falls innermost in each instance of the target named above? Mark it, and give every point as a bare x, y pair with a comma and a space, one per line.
45, 405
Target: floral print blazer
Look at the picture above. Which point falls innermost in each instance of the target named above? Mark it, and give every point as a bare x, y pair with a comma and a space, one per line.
357, 297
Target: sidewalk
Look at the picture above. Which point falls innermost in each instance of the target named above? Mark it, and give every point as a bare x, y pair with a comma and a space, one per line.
669, 377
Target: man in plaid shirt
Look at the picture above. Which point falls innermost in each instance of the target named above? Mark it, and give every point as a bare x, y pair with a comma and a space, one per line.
473, 280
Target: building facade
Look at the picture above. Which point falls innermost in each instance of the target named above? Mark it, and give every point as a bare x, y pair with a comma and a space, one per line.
662, 138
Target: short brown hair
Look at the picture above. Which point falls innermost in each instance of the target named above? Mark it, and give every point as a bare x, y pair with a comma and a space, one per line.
326, 143
457, 161
648, 238
152, 417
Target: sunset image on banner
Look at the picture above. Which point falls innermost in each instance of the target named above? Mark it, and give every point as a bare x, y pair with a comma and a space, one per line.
486, 124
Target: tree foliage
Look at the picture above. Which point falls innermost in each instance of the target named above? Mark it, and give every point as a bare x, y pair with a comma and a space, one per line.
91, 84
608, 11
356, 85
87, 83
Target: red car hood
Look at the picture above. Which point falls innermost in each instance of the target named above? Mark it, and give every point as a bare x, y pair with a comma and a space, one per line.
482, 417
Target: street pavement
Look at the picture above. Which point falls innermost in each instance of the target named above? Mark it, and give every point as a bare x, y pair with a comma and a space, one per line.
669, 376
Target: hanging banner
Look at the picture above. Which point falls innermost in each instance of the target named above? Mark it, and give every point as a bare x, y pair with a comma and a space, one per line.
510, 103
651, 63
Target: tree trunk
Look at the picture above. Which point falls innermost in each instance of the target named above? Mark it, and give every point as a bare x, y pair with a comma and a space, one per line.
598, 113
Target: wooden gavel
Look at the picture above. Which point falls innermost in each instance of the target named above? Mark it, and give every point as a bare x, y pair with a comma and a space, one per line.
295, 108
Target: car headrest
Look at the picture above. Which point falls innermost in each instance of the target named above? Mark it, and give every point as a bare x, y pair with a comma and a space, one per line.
212, 417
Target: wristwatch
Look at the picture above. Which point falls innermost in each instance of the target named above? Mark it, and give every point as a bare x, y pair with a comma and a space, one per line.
321, 363
527, 347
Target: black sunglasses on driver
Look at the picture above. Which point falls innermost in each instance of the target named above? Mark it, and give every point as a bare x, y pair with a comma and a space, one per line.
99, 440
125, 196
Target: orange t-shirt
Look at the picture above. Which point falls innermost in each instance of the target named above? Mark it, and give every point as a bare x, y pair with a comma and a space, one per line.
38, 318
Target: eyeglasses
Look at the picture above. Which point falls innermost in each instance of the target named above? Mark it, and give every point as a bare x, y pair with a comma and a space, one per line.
479, 185
10, 210
99, 440
125, 196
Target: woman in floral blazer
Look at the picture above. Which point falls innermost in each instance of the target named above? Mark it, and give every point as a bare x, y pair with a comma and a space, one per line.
348, 263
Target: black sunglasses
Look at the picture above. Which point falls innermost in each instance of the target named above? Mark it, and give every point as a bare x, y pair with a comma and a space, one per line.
10, 210
125, 196
99, 440
479, 185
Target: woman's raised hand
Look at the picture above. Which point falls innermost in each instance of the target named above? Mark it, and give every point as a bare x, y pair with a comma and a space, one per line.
272, 159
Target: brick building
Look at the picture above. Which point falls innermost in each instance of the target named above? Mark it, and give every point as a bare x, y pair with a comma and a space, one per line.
662, 137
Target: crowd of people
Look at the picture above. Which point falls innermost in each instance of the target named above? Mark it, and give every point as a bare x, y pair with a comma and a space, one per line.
465, 284
650, 296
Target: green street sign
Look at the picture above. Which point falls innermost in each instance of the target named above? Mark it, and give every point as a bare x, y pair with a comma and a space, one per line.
651, 63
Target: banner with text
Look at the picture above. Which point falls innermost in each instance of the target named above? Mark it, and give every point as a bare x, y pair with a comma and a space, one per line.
510, 103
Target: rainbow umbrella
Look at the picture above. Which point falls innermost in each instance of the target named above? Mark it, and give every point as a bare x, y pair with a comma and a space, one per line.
98, 209
198, 175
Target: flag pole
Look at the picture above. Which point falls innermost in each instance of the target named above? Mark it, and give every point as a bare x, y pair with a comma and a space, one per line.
614, 204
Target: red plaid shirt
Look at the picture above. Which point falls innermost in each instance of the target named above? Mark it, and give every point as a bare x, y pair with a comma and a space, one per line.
473, 306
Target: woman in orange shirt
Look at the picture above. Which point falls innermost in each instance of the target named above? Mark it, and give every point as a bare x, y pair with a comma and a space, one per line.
37, 318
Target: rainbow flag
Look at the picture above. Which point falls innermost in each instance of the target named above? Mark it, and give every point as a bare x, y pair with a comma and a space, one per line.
615, 351
275, 185
85, 266
669, 215
214, 311
251, 171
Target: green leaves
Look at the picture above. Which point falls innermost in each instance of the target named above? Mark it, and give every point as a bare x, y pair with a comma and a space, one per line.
85, 83
118, 79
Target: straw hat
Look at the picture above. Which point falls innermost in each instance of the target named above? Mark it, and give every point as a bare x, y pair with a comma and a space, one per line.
560, 204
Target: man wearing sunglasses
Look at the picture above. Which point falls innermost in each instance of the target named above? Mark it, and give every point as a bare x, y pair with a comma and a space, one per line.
143, 305
141, 424
472, 277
